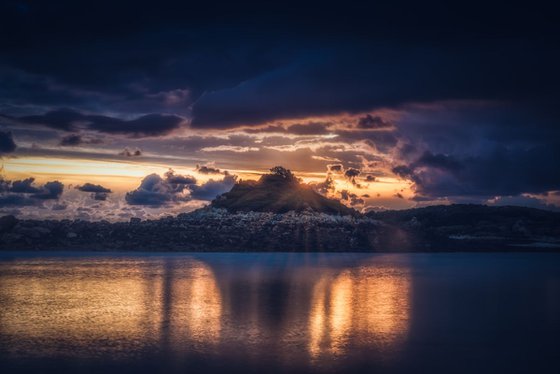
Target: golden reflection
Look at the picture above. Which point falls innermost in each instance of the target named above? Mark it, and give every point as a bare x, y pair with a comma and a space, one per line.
82, 308
340, 311
68, 306
317, 315
196, 311
127, 305
370, 305
386, 312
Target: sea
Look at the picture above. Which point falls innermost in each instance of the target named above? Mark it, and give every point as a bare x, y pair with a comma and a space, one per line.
82, 312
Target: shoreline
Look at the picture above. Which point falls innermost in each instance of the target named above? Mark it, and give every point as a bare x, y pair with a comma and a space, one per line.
458, 228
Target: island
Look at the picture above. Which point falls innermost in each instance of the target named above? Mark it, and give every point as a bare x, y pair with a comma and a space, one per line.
281, 213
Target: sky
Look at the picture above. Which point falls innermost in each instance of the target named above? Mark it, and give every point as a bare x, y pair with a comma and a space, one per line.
112, 111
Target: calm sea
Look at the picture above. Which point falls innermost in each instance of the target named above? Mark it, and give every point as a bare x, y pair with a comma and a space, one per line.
382, 313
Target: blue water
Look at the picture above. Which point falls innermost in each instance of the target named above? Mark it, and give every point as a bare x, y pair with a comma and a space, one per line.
385, 313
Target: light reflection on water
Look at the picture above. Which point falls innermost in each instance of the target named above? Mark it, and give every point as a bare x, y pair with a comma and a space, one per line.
88, 307
370, 305
436, 313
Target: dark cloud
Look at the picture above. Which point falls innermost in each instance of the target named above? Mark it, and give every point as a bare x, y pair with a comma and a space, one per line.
99, 196
351, 198
311, 128
154, 191
326, 187
213, 188
177, 181
148, 125
417, 74
207, 170
128, 153
50, 190
473, 93
373, 122
267, 129
383, 141
71, 120
498, 172
403, 171
74, 140
351, 173
407, 150
157, 191
162, 63
174, 188
7, 144
306, 128
335, 168
59, 207
24, 186
25, 192
71, 140
439, 161
313, 61
98, 192
15, 200
62, 119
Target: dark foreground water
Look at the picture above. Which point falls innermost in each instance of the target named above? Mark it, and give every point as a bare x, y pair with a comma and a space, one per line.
423, 313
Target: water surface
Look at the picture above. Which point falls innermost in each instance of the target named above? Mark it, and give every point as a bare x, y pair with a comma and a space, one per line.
279, 312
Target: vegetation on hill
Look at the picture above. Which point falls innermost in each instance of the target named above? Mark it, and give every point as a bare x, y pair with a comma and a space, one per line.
278, 192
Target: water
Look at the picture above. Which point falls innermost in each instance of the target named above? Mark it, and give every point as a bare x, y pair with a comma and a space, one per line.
437, 313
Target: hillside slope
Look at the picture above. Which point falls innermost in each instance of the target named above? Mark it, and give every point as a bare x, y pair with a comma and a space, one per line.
278, 192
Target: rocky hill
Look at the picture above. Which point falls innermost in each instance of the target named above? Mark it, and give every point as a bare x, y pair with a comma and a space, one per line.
278, 192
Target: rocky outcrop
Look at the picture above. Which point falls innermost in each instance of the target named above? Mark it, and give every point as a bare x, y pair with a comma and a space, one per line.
207, 229
443, 228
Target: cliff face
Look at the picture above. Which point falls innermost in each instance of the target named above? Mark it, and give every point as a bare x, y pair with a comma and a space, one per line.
278, 192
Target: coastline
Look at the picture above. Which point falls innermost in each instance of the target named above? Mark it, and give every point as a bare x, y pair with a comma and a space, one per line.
434, 229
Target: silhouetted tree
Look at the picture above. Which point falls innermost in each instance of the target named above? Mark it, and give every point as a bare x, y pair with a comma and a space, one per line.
282, 172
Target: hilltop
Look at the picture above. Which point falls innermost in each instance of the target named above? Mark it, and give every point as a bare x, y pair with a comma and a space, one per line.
278, 192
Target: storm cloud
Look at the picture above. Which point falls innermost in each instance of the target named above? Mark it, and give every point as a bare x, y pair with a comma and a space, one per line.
98, 192
373, 122
458, 101
74, 140
213, 188
176, 188
7, 144
71, 120
26, 192
202, 169
501, 171
156, 191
